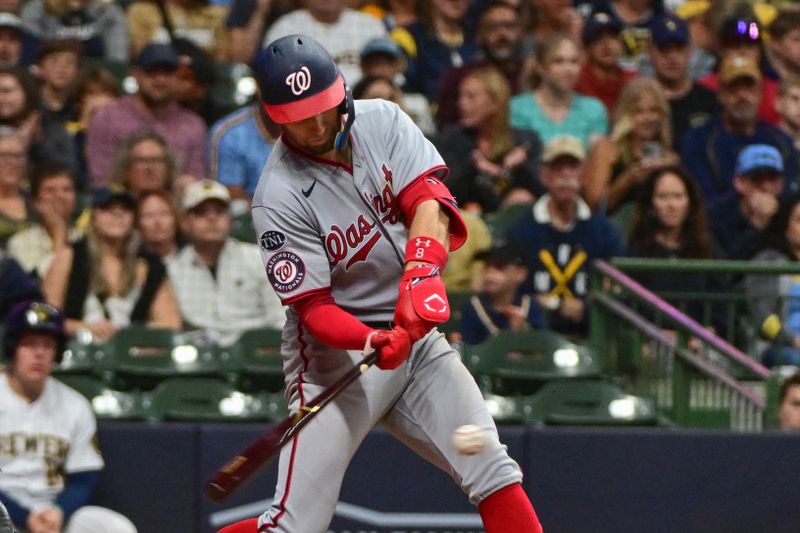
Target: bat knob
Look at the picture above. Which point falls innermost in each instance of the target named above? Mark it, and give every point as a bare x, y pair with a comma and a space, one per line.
215, 491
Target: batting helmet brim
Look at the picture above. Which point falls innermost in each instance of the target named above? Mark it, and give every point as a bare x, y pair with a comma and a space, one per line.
309, 106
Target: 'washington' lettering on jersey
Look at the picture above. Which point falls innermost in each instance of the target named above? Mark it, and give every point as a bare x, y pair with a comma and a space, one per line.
348, 234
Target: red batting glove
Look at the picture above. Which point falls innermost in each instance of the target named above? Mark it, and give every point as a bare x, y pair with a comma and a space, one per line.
393, 346
422, 301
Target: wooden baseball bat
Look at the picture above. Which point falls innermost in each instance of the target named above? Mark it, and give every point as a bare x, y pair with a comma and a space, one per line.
231, 476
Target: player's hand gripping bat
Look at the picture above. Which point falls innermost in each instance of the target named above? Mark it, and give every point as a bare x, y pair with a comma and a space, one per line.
231, 476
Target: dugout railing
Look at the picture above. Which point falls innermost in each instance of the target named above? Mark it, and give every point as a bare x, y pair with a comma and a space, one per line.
695, 377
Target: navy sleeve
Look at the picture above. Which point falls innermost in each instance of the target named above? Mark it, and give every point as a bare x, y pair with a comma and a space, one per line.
472, 329
792, 178
695, 160
536, 315
15, 286
240, 13
17, 513
77, 491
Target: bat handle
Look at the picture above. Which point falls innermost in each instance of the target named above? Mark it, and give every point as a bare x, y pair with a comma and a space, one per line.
368, 349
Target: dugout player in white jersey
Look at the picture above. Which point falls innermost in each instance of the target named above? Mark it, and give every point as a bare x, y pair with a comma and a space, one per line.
350, 207
49, 461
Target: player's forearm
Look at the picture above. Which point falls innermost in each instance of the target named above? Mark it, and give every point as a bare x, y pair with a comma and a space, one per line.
330, 324
245, 40
431, 221
54, 284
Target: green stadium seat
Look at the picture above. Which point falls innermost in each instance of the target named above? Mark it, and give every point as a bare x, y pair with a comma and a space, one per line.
81, 356
507, 409
141, 357
119, 69
243, 229
521, 362
457, 300
501, 220
106, 403
254, 362
233, 85
203, 400
588, 403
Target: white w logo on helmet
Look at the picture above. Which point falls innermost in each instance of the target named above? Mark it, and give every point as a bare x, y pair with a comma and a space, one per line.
299, 81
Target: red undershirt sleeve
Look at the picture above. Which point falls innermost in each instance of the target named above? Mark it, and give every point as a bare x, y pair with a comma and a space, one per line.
329, 323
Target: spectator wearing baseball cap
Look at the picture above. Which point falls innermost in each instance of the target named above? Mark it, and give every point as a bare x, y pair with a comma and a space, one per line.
561, 238
671, 52
635, 20
151, 108
601, 74
384, 61
738, 220
709, 151
99, 26
219, 281
382, 57
195, 78
79, 282
744, 37
500, 305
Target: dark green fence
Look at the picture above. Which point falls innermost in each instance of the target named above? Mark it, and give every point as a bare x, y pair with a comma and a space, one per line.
695, 377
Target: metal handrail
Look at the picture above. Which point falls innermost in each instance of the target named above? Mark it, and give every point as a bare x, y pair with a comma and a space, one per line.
653, 331
680, 319
705, 265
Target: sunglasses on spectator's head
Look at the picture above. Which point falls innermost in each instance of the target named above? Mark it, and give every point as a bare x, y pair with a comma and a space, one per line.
739, 31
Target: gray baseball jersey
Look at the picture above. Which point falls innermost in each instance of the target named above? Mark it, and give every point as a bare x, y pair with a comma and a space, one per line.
324, 225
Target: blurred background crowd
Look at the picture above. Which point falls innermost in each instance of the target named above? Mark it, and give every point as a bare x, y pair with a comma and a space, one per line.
131, 140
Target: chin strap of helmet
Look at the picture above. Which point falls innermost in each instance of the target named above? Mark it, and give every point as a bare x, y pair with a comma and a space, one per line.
347, 110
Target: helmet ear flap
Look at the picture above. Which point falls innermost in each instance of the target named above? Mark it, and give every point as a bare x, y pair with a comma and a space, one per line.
347, 109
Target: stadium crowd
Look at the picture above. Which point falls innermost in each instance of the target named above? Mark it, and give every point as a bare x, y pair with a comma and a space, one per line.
644, 128
132, 139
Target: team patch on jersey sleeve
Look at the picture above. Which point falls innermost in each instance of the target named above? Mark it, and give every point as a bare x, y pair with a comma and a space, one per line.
286, 271
272, 240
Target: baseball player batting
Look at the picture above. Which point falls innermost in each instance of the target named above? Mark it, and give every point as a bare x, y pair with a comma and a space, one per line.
354, 225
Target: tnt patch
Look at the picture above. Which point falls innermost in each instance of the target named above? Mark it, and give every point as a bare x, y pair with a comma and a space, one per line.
286, 271
272, 240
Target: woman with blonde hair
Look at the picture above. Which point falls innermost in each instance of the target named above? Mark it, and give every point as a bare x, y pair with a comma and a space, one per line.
640, 141
158, 222
102, 282
553, 107
144, 164
491, 164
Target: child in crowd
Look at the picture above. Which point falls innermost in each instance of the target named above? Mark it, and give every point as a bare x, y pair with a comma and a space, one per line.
500, 305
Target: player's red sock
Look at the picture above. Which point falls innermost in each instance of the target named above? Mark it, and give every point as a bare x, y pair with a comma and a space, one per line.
245, 526
509, 511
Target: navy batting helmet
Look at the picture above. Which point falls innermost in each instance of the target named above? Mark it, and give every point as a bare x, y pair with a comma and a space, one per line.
298, 79
33, 316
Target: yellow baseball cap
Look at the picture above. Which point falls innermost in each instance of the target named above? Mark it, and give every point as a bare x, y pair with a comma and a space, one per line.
736, 67
562, 145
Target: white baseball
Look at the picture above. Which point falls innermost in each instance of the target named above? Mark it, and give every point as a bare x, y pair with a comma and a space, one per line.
469, 440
